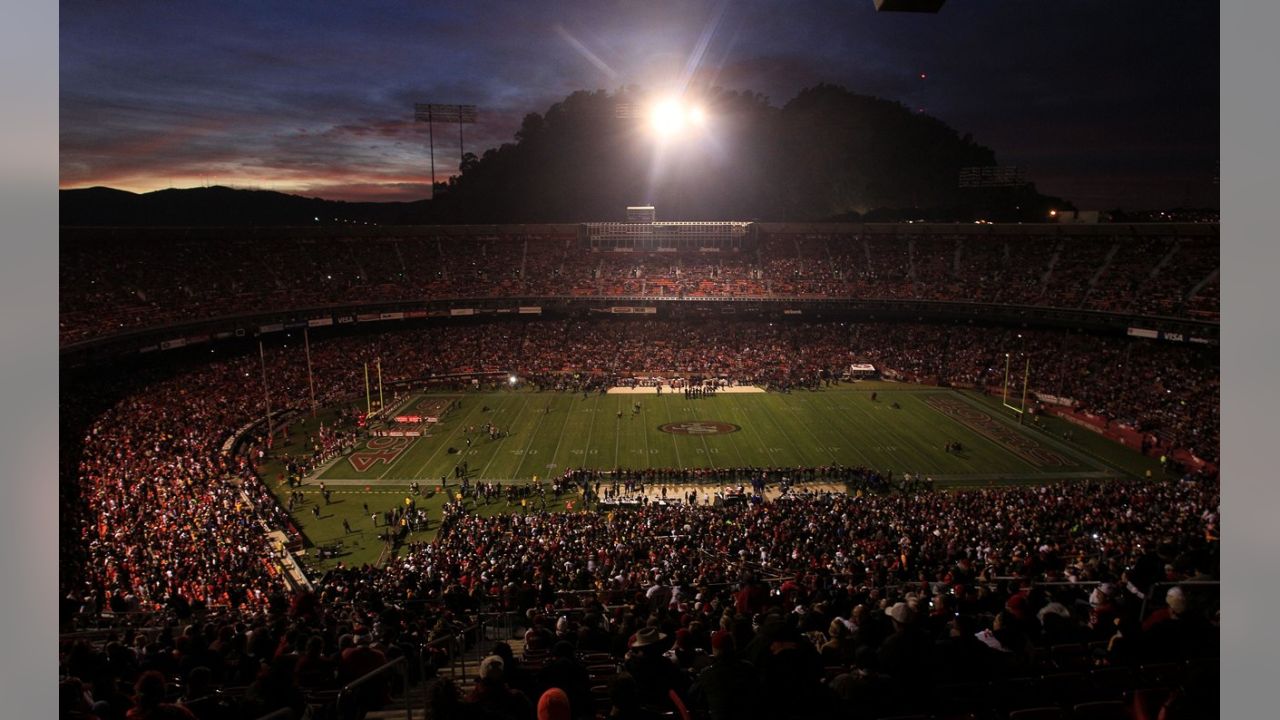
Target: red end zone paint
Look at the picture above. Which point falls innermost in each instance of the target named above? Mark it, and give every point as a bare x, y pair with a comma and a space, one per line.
1027, 448
379, 450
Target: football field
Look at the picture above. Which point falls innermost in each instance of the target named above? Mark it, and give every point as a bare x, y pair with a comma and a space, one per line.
905, 429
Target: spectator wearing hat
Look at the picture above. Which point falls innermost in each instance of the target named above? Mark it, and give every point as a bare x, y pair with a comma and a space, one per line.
653, 672
839, 647
512, 671
904, 653
1174, 633
492, 697
727, 689
554, 705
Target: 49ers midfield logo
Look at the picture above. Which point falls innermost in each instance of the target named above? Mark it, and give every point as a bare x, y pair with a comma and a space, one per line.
379, 450
699, 427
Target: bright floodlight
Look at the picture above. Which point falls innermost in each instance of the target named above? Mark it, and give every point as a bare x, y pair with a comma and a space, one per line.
667, 117
512, 379
697, 116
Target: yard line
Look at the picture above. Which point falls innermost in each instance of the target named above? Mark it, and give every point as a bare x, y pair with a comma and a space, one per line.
418, 473
567, 414
498, 450
800, 419
746, 422
774, 420
532, 436
666, 404
617, 432
742, 459
866, 461
644, 417
462, 456
707, 448
595, 410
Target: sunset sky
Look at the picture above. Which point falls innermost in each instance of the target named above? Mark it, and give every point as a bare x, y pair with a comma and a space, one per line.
1104, 103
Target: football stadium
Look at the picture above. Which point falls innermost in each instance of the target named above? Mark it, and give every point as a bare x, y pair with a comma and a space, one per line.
598, 451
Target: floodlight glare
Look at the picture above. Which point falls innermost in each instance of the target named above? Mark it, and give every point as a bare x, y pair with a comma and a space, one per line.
667, 117
697, 116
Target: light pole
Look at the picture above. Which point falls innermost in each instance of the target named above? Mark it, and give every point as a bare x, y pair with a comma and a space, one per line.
432, 112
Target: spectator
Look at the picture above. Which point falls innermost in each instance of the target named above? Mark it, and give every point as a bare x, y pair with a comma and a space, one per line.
149, 702
494, 697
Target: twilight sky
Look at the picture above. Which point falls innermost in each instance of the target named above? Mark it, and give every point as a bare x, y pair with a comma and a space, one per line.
1102, 102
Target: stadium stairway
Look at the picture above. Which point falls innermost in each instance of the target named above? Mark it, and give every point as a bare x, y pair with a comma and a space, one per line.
462, 671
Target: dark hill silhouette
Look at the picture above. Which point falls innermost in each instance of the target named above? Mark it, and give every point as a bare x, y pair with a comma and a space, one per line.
226, 206
826, 154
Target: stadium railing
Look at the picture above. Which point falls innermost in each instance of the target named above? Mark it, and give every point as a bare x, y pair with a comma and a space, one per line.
350, 705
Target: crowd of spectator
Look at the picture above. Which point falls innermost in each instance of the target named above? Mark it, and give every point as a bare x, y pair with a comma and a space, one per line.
131, 283
169, 514
827, 605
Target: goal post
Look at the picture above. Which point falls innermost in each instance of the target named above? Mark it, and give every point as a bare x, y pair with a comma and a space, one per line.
1021, 407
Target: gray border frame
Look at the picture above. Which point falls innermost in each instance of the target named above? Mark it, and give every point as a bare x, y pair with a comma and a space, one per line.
1250, 57
28, 390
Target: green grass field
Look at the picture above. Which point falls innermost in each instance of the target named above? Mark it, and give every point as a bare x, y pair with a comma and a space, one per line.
549, 432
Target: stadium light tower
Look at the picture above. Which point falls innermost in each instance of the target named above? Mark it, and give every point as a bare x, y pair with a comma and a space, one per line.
433, 112
671, 116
